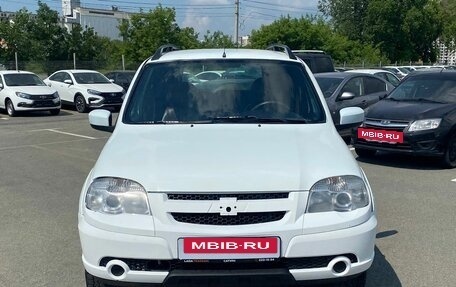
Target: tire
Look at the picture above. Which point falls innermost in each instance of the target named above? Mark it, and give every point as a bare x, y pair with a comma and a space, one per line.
359, 281
366, 153
10, 108
54, 112
80, 104
449, 159
92, 281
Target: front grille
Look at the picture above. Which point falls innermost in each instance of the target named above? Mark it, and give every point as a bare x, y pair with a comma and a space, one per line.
112, 98
391, 125
215, 196
239, 219
170, 265
41, 97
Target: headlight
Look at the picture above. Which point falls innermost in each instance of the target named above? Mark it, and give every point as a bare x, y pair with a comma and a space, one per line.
24, 95
93, 92
339, 193
116, 196
55, 95
422, 125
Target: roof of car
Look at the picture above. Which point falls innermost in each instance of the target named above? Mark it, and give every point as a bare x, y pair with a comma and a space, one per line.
4, 72
369, 71
433, 73
338, 75
78, 71
203, 54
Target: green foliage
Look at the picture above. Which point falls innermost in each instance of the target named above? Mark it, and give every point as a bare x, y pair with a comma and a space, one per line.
449, 23
216, 40
347, 16
314, 34
147, 31
403, 30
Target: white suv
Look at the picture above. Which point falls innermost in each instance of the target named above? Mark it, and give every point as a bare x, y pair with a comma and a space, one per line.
240, 180
86, 89
22, 91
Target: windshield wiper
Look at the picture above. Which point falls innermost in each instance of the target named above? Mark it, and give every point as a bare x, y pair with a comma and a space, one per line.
255, 119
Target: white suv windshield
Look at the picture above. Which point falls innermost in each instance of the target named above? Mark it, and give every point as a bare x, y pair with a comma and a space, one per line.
248, 91
12, 80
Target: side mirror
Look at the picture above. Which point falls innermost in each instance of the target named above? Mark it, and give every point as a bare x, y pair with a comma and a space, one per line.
111, 80
49, 84
101, 120
346, 96
69, 82
351, 115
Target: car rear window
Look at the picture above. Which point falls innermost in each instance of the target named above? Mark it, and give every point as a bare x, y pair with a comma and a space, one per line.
250, 89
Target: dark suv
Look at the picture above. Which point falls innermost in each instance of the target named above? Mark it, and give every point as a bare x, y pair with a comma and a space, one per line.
418, 117
317, 61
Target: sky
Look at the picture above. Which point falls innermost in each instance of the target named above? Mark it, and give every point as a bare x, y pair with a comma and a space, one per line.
202, 15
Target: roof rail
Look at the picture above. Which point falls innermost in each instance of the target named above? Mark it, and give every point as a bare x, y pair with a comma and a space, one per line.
163, 50
282, 48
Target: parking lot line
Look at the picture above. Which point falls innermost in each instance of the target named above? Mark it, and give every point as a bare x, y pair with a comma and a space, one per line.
5, 119
70, 134
453, 180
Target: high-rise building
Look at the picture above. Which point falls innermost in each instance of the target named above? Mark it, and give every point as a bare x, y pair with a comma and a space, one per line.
447, 56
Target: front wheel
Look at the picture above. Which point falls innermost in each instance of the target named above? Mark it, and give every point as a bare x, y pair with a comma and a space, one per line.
449, 159
80, 103
10, 108
365, 152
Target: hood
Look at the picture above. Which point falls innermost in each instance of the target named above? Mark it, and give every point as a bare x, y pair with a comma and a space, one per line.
104, 88
225, 157
408, 110
34, 90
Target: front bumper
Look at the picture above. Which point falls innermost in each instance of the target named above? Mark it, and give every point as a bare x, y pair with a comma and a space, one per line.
37, 105
423, 143
98, 244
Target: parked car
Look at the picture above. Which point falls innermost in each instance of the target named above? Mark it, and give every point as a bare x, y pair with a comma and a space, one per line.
417, 118
243, 180
318, 61
386, 75
25, 91
342, 90
122, 78
209, 75
399, 72
86, 89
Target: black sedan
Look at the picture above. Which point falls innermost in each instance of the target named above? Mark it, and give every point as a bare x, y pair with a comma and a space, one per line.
343, 90
121, 78
418, 117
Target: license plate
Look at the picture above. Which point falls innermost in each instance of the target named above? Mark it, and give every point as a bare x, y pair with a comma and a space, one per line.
229, 247
380, 135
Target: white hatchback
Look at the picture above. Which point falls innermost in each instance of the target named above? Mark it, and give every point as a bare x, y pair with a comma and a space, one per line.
86, 89
237, 181
25, 91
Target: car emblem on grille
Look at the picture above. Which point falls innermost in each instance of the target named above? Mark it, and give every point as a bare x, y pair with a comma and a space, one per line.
113, 94
228, 206
385, 122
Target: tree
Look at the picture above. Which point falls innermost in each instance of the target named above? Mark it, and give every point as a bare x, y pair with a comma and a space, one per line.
405, 30
48, 35
347, 16
314, 34
216, 40
145, 32
449, 23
